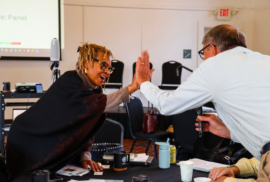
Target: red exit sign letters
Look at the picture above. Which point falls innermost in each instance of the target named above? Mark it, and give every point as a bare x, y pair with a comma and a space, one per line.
224, 12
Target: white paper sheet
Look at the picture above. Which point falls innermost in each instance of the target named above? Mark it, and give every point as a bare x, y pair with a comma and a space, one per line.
202, 165
140, 157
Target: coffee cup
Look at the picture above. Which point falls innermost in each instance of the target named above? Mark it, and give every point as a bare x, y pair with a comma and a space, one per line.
186, 168
121, 160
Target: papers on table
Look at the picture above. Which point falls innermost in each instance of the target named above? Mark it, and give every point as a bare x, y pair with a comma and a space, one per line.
206, 166
140, 158
70, 170
7, 127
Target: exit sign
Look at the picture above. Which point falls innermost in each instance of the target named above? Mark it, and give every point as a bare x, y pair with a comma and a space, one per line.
224, 14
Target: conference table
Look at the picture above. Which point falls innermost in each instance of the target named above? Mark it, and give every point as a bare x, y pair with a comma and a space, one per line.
153, 172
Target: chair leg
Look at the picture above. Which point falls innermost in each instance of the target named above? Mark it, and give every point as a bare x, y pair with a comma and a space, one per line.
155, 148
134, 141
147, 147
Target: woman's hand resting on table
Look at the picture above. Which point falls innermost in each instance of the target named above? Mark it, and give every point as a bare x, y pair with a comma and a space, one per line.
94, 166
221, 173
221, 179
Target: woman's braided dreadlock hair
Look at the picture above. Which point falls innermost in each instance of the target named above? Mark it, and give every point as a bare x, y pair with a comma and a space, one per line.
88, 52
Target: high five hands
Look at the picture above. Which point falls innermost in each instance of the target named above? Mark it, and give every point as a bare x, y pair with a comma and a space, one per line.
143, 72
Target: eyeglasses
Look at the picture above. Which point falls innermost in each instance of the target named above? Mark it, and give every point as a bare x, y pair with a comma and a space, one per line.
201, 53
105, 66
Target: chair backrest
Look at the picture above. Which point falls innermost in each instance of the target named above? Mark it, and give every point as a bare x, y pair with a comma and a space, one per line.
135, 114
169, 74
184, 129
111, 132
117, 75
134, 67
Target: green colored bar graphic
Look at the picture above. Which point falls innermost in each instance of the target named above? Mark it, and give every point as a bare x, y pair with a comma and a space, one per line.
6, 43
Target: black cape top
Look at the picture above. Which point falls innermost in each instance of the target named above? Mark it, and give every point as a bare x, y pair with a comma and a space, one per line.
57, 128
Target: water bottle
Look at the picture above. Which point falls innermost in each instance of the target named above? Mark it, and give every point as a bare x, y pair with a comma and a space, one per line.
164, 154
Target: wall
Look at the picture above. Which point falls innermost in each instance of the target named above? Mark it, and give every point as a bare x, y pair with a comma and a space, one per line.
126, 27
261, 27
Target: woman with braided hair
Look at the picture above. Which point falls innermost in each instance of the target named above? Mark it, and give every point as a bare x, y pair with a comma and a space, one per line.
62, 124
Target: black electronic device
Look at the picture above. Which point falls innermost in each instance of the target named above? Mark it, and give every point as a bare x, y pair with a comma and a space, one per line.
26, 88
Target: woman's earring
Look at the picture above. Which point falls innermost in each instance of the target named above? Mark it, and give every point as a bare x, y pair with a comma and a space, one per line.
85, 71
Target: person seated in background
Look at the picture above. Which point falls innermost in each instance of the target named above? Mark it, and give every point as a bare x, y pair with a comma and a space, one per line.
61, 125
235, 79
243, 168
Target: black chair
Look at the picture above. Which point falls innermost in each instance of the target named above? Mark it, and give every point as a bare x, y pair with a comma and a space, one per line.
135, 114
111, 132
171, 75
109, 138
187, 140
116, 78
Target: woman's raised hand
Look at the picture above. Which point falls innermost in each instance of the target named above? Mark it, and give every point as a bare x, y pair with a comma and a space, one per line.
134, 86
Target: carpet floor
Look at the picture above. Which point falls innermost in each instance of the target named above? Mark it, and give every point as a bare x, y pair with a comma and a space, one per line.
139, 149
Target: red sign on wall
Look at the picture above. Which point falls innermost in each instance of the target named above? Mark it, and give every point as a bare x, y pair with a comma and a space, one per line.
224, 12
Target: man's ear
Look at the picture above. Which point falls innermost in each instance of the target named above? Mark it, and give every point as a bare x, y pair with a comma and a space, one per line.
214, 50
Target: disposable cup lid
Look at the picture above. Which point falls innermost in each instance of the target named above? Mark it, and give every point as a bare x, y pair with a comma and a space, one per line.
186, 163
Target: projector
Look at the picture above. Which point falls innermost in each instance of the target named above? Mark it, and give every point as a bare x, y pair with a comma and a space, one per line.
26, 87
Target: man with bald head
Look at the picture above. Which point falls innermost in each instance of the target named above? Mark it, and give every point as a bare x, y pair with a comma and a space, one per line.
235, 79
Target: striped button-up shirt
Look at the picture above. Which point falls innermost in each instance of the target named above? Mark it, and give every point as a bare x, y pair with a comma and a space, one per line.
237, 81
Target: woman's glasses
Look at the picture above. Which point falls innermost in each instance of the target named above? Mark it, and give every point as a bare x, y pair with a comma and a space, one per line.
105, 66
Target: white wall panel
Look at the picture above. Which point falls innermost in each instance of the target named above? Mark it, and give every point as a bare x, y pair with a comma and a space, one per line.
165, 34
119, 29
261, 29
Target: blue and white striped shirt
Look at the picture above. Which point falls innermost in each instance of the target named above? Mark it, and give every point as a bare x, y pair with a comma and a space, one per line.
237, 81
